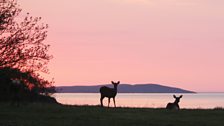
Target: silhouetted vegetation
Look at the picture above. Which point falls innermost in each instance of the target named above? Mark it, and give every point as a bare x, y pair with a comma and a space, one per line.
58, 115
23, 55
20, 86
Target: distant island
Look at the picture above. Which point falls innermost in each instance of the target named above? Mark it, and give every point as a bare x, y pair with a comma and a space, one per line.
123, 88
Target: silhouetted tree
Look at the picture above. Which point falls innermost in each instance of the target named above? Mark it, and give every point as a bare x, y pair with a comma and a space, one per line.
21, 43
23, 53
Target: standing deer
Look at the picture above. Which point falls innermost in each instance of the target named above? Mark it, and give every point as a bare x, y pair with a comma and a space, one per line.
109, 93
175, 104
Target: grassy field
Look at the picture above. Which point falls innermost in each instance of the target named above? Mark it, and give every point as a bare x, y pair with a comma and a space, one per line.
61, 115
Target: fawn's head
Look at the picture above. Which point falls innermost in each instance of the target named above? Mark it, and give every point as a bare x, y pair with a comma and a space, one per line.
177, 99
115, 84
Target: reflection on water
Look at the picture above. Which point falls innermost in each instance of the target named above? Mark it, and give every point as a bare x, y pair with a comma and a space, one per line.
152, 100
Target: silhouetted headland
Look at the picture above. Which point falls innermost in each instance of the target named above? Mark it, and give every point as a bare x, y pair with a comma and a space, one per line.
123, 88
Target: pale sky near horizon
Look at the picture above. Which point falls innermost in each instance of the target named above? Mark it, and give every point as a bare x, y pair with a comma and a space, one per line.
177, 43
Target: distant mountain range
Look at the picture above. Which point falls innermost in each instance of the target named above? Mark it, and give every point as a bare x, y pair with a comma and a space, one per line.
123, 88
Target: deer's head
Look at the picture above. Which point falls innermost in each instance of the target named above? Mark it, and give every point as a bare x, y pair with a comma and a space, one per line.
177, 99
115, 84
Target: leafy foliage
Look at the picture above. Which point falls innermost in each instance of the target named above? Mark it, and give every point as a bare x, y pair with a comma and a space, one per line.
23, 53
21, 44
21, 86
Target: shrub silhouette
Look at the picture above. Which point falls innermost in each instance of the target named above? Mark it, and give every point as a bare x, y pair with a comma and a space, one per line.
17, 86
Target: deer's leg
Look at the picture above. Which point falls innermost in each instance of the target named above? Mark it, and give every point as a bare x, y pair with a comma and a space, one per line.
114, 102
101, 101
108, 102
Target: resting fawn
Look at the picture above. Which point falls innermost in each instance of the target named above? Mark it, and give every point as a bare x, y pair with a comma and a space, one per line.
175, 104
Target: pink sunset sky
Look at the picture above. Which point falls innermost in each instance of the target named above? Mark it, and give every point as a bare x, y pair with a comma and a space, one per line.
176, 43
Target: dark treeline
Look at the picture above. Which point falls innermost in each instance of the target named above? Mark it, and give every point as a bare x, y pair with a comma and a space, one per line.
20, 86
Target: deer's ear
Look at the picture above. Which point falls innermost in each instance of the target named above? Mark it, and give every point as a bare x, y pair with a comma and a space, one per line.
118, 82
181, 96
112, 82
174, 96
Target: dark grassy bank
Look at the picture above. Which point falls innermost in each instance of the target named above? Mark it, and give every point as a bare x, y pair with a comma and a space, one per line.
60, 115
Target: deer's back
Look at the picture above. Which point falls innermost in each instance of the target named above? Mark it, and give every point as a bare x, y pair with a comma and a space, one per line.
172, 106
107, 92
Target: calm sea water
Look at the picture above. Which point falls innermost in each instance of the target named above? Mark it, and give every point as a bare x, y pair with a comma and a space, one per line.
151, 100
